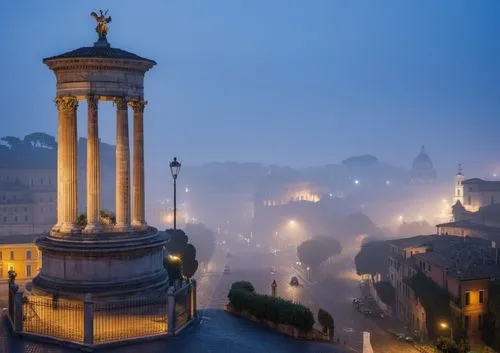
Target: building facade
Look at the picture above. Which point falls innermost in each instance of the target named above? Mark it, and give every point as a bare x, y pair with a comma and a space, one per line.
478, 193
27, 200
19, 253
462, 266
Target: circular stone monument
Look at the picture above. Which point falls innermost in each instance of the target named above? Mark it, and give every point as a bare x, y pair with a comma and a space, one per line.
126, 258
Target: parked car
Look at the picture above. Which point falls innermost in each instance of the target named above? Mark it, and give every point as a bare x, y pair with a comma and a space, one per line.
227, 270
366, 311
294, 281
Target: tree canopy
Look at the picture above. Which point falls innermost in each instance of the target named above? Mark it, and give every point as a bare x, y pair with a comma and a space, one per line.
372, 258
178, 246
203, 239
356, 224
316, 250
107, 218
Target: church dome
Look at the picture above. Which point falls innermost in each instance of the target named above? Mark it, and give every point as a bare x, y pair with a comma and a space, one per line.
422, 170
422, 161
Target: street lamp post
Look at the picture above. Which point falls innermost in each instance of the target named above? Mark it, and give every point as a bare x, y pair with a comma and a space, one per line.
445, 326
175, 167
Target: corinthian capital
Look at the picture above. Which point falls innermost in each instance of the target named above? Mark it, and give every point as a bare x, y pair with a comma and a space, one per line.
121, 103
92, 101
137, 105
66, 103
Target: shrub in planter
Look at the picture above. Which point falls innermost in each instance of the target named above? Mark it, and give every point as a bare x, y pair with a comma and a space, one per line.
264, 307
245, 285
326, 321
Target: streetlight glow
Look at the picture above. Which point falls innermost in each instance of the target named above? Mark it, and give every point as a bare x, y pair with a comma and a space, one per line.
356, 181
174, 258
443, 325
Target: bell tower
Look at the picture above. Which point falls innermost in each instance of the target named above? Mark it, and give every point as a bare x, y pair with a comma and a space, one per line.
459, 186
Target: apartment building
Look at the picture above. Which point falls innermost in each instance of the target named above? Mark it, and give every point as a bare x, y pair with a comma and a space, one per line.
462, 266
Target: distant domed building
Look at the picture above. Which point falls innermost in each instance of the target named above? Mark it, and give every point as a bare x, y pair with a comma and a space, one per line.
422, 170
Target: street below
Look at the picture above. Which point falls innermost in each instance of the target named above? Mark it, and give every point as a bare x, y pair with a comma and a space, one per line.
333, 293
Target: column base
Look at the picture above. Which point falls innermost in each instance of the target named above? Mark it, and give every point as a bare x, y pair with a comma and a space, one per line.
93, 228
56, 227
139, 225
69, 227
123, 228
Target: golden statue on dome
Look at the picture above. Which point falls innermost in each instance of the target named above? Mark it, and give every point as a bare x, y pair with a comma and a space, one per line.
102, 23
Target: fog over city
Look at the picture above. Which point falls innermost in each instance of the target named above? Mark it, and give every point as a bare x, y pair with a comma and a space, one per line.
322, 147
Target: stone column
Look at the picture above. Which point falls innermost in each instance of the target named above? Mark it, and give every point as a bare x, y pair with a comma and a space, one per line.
122, 167
67, 166
93, 168
138, 206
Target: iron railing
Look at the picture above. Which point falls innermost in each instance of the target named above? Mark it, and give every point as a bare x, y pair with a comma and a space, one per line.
58, 318
129, 319
182, 307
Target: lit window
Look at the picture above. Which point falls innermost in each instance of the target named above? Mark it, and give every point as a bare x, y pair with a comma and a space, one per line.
12, 255
28, 270
481, 296
28, 254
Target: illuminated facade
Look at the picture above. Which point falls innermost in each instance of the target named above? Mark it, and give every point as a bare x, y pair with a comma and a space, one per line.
461, 266
478, 193
27, 200
19, 253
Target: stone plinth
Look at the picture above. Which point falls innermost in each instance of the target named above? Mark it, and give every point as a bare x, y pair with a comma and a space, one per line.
104, 264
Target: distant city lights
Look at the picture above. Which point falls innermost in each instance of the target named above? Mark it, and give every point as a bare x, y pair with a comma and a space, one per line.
387, 182
356, 181
187, 189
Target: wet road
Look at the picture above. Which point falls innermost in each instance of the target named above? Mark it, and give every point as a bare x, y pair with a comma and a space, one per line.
334, 294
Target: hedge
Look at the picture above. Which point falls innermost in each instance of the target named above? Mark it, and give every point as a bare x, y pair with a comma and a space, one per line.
264, 307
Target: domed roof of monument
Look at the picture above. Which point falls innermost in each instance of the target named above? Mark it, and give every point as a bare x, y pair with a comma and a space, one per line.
104, 52
101, 49
422, 161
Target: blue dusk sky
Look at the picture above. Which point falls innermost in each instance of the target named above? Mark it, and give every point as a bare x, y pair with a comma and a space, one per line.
277, 81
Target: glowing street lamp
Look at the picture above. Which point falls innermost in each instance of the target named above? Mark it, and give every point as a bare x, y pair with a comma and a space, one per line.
445, 326
356, 181
174, 258
175, 168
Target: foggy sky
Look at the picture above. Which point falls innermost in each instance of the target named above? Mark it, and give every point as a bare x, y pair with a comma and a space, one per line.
283, 81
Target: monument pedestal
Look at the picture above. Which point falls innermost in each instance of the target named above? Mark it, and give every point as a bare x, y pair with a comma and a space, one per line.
105, 265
